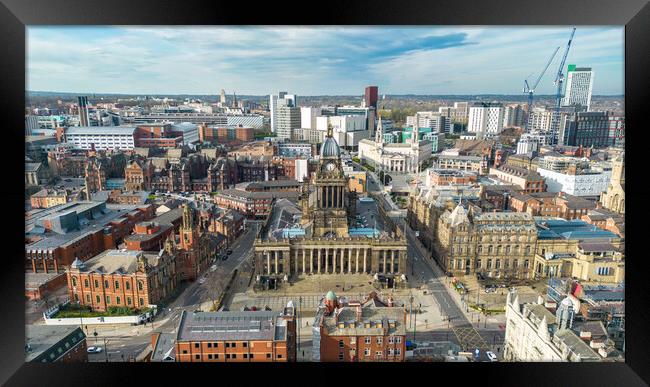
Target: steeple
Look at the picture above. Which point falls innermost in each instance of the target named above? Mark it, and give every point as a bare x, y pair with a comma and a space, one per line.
330, 130
379, 133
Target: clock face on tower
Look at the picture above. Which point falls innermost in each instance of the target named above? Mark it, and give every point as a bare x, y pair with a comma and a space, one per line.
330, 167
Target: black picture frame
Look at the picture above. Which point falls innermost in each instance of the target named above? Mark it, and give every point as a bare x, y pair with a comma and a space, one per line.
16, 14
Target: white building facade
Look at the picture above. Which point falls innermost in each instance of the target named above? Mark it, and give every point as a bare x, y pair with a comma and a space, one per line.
585, 183
485, 119
579, 85
102, 137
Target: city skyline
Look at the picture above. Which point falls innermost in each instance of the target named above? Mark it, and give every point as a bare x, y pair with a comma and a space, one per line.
314, 61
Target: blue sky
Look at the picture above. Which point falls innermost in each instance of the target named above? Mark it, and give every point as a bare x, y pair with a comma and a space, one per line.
315, 60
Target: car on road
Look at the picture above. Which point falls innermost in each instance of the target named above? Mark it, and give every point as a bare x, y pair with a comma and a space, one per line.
94, 349
491, 356
228, 252
202, 280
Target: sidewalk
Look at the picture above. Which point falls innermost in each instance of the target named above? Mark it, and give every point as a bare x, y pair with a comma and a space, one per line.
474, 317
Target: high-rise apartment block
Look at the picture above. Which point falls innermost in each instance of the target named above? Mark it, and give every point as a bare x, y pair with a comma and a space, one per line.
579, 84
371, 96
485, 119
281, 99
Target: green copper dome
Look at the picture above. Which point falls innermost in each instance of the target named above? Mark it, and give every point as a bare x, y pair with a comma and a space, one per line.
330, 296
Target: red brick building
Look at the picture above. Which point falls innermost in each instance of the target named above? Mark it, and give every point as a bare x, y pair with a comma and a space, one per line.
450, 177
247, 336
253, 205
132, 279
551, 204
58, 235
528, 181
360, 331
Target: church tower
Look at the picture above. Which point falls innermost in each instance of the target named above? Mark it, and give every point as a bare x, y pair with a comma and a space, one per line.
188, 230
329, 198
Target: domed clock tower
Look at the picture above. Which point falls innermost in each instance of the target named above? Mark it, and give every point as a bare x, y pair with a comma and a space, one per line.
328, 200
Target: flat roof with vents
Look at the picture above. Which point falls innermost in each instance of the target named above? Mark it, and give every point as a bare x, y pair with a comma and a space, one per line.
232, 325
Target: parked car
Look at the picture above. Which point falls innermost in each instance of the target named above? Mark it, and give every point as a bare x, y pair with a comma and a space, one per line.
490, 289
228, 252
94, 349
202, 280
491, 356
213, 268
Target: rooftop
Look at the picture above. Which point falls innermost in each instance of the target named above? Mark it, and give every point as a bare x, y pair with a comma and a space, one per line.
42, 337
232, 325
118, 261
556, 228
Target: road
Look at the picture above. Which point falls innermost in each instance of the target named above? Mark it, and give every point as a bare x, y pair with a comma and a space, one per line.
432, 278
124, 342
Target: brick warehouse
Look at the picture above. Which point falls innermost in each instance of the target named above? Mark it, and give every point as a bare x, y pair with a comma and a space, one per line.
359, 331
247, 336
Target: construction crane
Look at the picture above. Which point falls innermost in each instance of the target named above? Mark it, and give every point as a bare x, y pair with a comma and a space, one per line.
559, 80
531, 90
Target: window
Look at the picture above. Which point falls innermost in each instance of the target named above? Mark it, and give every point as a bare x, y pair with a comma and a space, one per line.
76, 297
497, 264
210, 356
96, 283
128, 300
245, 345
489, 249
507, 250
527, 250
367, 340
106, 284
99, 300
117, 285
209, 345
514, 264
268, 355
379, 339
245, 356
128, 286
279, 356
480, 249
526, 264
341, 356
366, 352
489, 263
197, 345
341, 345
74, 281
141, 301
234, 356
398, 351
398, 339
197, 357
379, 353
86, 283
117, 300
227, 345
88, 298
391, 339
215, 345
390, 351
139, 285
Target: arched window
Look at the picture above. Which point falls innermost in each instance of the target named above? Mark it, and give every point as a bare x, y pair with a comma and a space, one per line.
480, 249
140, 285
499, 250
507, 250
74, 281
490, 249
86, 284
127, 285
117, 284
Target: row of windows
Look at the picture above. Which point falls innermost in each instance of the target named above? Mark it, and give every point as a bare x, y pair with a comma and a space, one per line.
127, 285
215, 356
490, 250
216, 345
